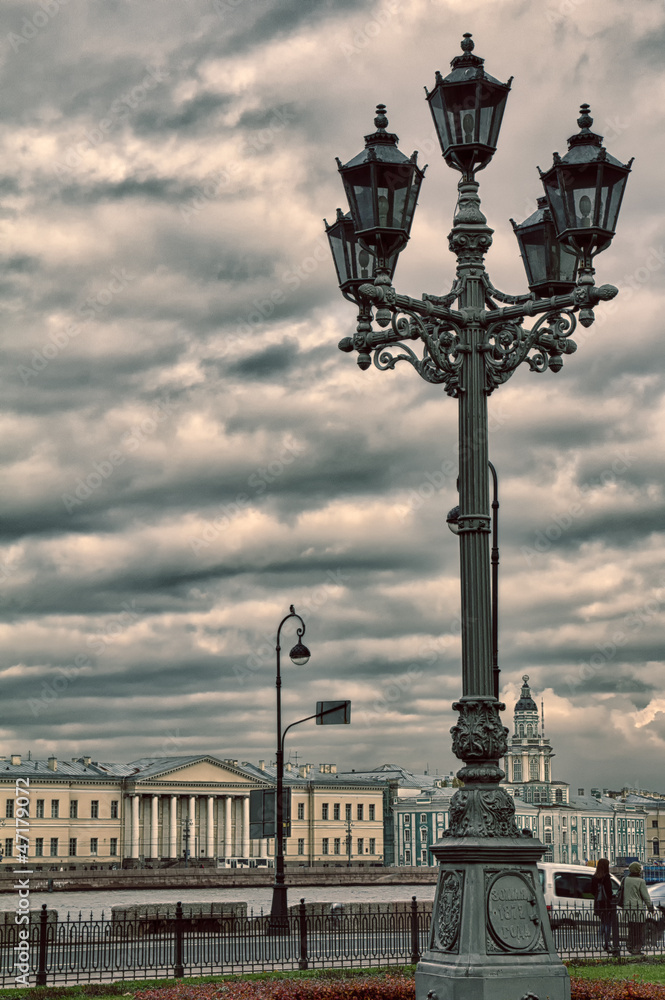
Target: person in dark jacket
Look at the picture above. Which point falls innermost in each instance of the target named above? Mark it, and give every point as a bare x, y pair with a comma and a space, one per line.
636, 900
604, 906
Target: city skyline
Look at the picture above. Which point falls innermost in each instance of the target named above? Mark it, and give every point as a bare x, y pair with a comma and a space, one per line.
186, 453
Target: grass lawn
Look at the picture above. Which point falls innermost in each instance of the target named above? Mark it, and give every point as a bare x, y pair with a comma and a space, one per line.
640, 972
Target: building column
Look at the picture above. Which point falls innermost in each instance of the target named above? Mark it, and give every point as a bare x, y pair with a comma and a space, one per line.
245, 826
135, 826
191, 816
228, 846
154, 826
173, 827
210, 828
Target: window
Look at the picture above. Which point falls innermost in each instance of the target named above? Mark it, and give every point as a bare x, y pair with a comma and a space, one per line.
423, 856
423, 833
337, 844
372, 813
9, 843
114, 809
533, 769
517, 770
94, 809
547, 770
336, 811
301, 845
521, 729
654, 822
113, 848
548, 836
573, 886
93, 845
54, 847
407, 857
72, 847
423, 817
325, 843
73, 809
324, 810
361, 845
9, 809
39, 847
407, 819
407, 836
529, 731
359, 811
301, 810
347, 811
39, 809
372, 845
55, 808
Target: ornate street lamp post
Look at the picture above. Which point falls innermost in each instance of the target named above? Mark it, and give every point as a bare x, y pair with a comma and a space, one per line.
489, 923
300, 656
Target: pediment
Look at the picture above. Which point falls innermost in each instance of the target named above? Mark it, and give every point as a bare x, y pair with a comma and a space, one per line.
206, 771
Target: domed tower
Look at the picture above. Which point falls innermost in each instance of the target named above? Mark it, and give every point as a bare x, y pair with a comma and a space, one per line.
527, 761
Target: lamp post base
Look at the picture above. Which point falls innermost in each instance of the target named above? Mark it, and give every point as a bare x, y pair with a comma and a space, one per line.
490, 937
279, 912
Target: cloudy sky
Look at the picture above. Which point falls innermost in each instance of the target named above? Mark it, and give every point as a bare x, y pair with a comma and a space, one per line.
184, 450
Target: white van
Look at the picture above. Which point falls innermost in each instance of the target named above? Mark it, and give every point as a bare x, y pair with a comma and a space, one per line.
568, 888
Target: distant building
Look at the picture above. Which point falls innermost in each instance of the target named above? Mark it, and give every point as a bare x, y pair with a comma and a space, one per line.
528, 760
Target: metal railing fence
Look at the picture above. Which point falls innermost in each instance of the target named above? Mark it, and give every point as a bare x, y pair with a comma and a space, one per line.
170, 943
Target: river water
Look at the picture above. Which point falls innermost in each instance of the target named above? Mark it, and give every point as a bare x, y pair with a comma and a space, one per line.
94, 904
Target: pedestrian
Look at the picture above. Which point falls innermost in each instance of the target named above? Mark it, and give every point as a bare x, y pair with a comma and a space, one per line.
604, 906
636, 899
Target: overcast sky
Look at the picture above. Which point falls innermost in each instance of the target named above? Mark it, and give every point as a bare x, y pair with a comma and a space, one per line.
184, 450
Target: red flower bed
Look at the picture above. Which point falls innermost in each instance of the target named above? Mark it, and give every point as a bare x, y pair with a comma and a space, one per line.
391, 987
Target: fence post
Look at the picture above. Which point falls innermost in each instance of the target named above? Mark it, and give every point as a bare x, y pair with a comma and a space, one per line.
415, 938
178, 970
302, 915
41, 968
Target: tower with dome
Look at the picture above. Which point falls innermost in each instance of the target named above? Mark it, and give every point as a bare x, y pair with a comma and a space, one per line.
528, 760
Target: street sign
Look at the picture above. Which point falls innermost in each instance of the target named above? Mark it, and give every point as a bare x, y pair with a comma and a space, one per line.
333, 713
262, 813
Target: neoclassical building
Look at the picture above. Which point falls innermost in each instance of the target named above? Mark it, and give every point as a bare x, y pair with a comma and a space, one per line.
154, 809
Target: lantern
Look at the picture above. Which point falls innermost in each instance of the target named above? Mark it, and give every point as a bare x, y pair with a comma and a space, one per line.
584, 189
354, 264
467, 107
550, 268
382, 186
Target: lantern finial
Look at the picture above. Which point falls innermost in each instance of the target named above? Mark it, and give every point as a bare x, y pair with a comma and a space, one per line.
585, 120
381, 121
467, 42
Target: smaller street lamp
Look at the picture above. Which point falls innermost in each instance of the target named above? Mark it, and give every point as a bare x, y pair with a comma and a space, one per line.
354, 264
550, 268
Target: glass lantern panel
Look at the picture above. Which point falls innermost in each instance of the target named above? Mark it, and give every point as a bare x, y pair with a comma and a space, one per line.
485, 135
616, 187
384, 207
364, 263
536, 261
363, 203
567, 263
585, 207
556, 201
411, 206
442, 122
400, 204
339, 257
